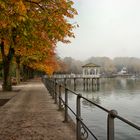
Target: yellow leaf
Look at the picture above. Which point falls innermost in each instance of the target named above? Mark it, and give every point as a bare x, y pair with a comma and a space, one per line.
21, 7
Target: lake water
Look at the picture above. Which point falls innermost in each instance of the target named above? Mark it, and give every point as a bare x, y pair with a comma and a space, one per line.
120, 94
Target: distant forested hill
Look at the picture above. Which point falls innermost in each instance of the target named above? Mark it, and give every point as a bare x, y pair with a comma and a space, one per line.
107, 64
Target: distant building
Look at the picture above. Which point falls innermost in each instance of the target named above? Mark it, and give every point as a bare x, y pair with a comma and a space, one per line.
123, 71
91, 70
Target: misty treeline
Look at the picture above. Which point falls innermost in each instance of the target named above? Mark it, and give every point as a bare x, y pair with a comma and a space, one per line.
108, 65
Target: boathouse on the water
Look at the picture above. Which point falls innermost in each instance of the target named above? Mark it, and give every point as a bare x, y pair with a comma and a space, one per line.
91, 70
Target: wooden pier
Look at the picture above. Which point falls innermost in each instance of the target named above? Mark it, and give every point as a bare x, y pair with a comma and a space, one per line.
89, 82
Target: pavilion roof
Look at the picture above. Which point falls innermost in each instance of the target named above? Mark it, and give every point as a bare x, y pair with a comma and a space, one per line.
90, 65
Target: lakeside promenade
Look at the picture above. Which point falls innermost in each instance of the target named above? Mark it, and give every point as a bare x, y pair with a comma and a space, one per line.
31, 114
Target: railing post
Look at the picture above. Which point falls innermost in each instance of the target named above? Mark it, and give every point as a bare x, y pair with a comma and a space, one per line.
78, 118
60, 97
55, 93
66, 105
110, 124
48, 86
51, 87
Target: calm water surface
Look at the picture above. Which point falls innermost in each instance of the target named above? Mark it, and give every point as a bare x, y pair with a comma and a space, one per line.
120, 94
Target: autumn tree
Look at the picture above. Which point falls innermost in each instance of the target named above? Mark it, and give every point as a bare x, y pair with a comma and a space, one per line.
72, 65
34, 25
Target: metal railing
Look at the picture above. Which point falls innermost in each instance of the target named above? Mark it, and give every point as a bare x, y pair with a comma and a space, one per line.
82, 130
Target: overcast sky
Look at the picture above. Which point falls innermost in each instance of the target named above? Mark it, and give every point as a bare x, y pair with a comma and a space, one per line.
106, 28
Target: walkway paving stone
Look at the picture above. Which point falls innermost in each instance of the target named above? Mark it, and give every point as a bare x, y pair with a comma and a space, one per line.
32, 115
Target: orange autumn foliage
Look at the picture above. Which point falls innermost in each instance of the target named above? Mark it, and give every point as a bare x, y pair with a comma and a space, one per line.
33, 27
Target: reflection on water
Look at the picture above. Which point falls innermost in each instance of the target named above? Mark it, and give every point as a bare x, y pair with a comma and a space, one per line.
94, 99
122, 95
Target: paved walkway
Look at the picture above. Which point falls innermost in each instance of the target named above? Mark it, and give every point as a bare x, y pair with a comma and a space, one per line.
32, 115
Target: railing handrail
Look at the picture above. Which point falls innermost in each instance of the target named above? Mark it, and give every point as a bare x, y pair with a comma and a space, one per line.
112, 114
104, 109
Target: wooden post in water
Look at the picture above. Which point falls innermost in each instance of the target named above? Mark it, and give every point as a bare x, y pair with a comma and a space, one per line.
74, 83
84, 84
95, 83
92, 84
87, 83
98, 83
65, 82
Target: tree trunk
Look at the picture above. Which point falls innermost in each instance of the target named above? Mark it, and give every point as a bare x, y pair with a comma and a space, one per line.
28, 72
24, 73
6, 77
6, 59
18, 69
